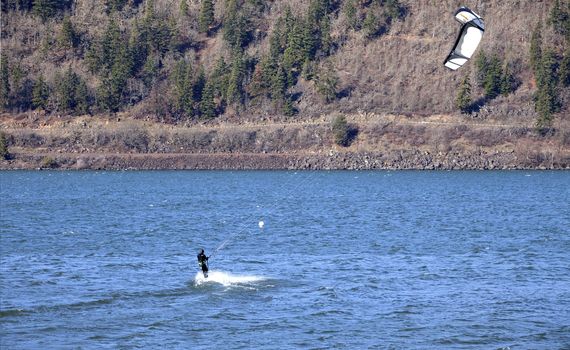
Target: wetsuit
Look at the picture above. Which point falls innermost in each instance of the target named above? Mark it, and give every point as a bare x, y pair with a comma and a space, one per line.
203, 262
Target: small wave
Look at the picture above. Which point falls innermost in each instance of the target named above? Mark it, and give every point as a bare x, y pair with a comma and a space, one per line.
226, 279
11, 312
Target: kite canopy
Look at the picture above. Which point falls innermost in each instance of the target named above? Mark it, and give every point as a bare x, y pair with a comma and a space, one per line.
469, 38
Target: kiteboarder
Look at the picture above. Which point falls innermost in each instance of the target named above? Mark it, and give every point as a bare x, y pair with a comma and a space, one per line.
203, 262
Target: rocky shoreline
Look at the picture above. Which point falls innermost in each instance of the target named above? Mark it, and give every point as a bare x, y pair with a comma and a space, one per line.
401, 160
382, 142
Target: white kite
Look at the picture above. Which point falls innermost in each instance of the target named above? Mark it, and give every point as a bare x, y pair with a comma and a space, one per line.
469, 38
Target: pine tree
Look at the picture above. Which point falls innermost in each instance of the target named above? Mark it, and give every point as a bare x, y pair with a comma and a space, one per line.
115, 5
288, 107
293, 57
206, 19
536, 48
237, 28
199, 84
182, 88
327, 82
547, 100
559, 18
279, 86
481, 63
82, 98
341, 131
156, 31
67, 37
219, 79
463, 100
310, 43
4, 81
40, 93
207, 104
351, 14
4, 154
371, 25
492, 84
393, 10
507, 81
183, 8
259, 85
45, 8
565, 68
65, 87
235, 92
150, 70
102, 53
308, 72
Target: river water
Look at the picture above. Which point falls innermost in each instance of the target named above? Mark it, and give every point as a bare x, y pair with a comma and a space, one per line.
301, 260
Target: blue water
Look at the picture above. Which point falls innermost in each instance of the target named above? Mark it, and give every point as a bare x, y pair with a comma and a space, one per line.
345, 260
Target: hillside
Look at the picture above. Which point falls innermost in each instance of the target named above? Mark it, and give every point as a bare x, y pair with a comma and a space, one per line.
201, 64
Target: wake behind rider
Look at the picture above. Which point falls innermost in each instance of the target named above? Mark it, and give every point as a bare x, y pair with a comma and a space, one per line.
203, 262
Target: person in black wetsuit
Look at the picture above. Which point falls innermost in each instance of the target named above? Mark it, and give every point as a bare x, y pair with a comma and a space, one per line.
203, 262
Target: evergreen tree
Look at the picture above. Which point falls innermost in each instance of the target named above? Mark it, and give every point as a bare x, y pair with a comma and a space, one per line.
341, 131
259, 84
4, 81
150, 70
536, 48
183, 8
288, 107
206, 19
371, 25
463, 100
237, 28
327, 82
279, 86
508, 83
293, 57
139, 53
219, 79
115, 5
565, 68
40, 93
16, 5
235, 92
492, 84
547, 101
308, 72
21, 89
156, 31
278, 39
182, 84
45, 8
207, 104
4, 154
102, 53
351, 14
310, 42
65, 87
67, 37
393, 10
82, 98
199, 84
559, 18
326, 41
481, 63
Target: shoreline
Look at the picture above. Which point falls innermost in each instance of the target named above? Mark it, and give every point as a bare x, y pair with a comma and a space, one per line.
383, 142
402, 160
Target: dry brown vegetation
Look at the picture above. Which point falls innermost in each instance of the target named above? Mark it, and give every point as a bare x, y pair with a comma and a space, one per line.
393, 89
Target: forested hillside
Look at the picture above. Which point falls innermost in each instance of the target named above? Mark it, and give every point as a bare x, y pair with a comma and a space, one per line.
360, 84
189, 60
